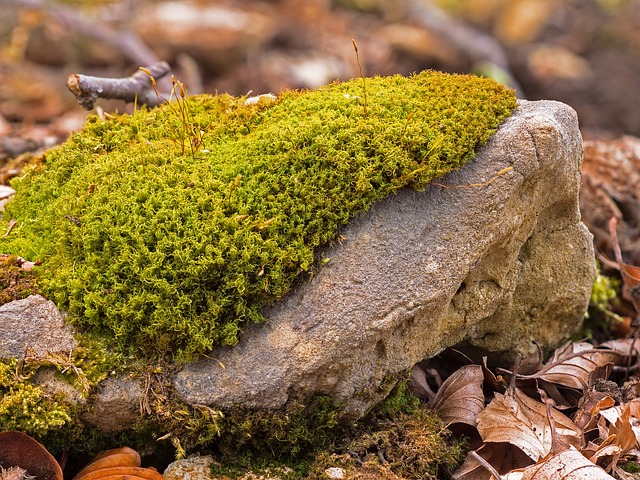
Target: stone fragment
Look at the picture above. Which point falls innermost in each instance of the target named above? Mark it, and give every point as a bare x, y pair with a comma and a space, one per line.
116, 406
33, 326
494, 255
192, 468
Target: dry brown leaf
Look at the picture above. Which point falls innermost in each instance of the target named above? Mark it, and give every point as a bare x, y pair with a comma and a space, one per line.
117, 464
573, 365
630, 273
117, 457
560, 397
623, 346
18, 449
621, 427
460, 398
605, 452
502, 456
522, 421
567, 465
592, 403
418, 384
490, 380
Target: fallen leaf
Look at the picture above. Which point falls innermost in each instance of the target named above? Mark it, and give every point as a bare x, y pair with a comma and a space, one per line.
574, 364
418, 384
117, 457
630, 273
117, 464
522, 421
588, 411
603, 453
567, 465
621, 426
625, 347
503, 457
20, 450
460, 398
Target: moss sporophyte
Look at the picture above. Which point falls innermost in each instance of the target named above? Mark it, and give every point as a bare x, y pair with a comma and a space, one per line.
172, 252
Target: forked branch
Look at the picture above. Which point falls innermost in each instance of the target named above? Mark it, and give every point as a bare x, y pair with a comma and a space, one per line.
135, 88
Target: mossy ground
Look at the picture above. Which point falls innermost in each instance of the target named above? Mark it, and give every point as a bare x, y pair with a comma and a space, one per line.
15, 282
401, 439
170, 230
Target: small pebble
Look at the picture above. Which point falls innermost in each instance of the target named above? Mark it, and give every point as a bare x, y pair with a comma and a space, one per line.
335, 473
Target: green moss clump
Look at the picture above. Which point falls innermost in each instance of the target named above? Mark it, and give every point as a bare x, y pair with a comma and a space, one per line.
604, 290
172, 252
406, 446
600, 318
26, 407
400, 400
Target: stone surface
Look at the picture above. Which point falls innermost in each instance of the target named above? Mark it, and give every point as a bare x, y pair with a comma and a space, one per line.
192, 468
116, 406
199, 468
498, 263
33, 326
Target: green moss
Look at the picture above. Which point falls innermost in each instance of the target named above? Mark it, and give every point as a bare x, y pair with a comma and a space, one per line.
630, 467
26, 407
400, 400
412, 445
171, 252
599, 317
604, 290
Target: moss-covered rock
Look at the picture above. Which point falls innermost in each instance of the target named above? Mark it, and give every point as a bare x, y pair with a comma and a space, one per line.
170, 229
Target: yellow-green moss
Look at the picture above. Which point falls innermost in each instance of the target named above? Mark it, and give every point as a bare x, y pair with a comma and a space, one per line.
599, 317
407, 447
26, 407
171, 252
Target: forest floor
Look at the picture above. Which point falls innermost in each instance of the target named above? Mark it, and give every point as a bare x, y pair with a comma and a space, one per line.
583, 53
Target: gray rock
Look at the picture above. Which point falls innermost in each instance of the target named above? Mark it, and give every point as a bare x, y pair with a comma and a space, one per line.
199, 468
116, 406
192, 468
34, 323
498, 263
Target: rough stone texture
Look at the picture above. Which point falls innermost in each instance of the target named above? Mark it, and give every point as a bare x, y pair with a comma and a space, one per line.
498, 265
36, 323
193, 468
199, 468
116, 406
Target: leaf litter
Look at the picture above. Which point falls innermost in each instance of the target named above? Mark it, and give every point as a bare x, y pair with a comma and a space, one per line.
564, 419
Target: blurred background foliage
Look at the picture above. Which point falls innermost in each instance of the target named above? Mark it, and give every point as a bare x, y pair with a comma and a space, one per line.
582, 52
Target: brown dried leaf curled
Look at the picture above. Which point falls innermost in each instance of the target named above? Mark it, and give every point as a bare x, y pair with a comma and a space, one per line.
573, 365
117, 457
567, 465
117, 464
460, 398
502, 456
20, 450
123, 473
522, 421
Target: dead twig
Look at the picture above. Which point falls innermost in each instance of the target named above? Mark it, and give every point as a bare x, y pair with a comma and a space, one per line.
135, 88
